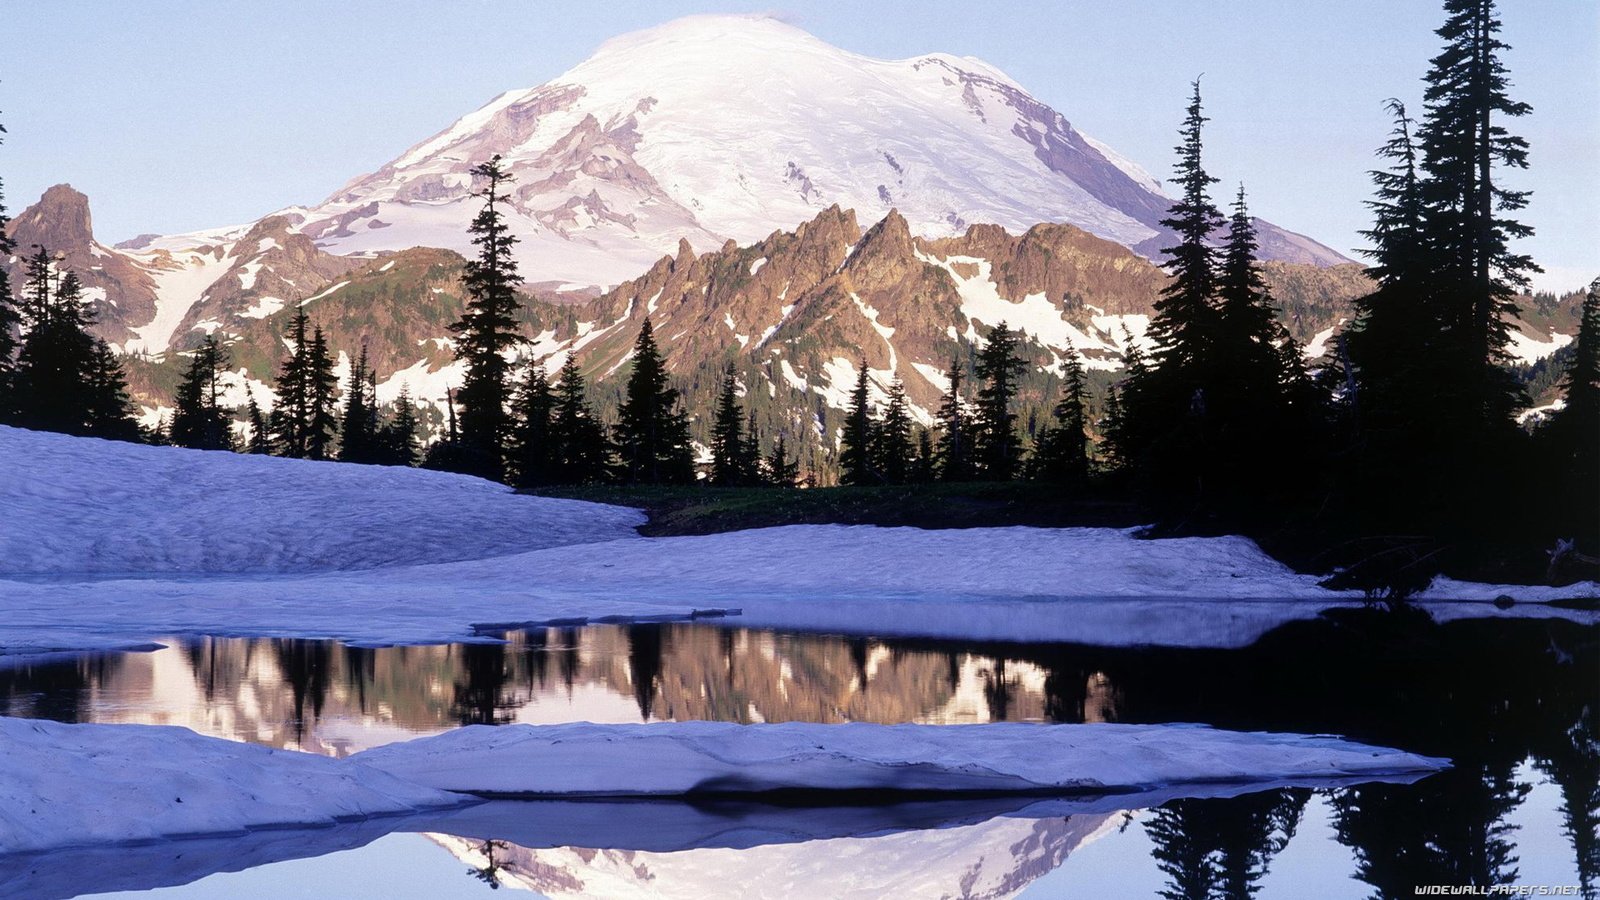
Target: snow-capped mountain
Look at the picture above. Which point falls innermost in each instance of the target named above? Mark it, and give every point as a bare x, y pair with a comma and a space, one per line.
712, 128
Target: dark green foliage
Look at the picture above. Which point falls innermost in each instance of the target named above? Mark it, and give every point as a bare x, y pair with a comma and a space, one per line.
1061, 455
322, 384
1570, 441
57, 354
779, 468
200, 421
487, 329
358, 432
925, 465
291, 416
727, 435
583, 452
1223, 848
1185, 325
533, 442
998, 449
893, 448
260, 443
955, 453
397, 438
856, 440
110, 410
652, 428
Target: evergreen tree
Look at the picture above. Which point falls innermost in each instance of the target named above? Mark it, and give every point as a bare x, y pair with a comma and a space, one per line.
750, 452
534, 444
200, 422
358, 438
998, 449
727, 434
10, 320
322, 384
856, 440
1572, 435
1476, 275
291, 415
488, 328
955, 445
110, 409
56, 361
397, 439
780, 469
652, 428
1249, 367
583, 451
894, 447
260, 435
926, 462
1063, 454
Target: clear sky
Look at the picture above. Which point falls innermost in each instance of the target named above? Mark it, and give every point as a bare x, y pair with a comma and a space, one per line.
179, 115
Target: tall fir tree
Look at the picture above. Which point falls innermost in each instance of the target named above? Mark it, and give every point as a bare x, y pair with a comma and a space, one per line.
998, 448
584, 454
323, 386
652, 427
291, 415
781, 469
1062, 455
955, 453
1465, 147
1249, 369
200, 421
488, 328
10, 319
1572, 436
857, 437
397, 438
894, 448
727, 434
260, 443
56, 360
533, 441
358, 430
110, 410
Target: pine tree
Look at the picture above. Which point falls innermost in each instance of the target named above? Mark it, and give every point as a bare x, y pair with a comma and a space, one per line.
200, 421
358, 437
1476, 274
750, 453
893, 446
1249, 367
856, 440
533, 442
260, 435
925, 465
1063, 456
998, 449
955, 445
110, 409
10, 319
583, 450
727, 435
397, 439
1184, 328
291, 415
780, 469
488, 328
56, 361
1573, 433
652, 428
322, 384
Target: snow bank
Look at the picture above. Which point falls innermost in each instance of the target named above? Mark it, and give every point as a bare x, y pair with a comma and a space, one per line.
674, 759
69, 785
75, 506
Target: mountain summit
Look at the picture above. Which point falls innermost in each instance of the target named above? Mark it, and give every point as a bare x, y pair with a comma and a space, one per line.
714, 128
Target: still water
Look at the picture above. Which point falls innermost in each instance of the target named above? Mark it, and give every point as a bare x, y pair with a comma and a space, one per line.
1514, 703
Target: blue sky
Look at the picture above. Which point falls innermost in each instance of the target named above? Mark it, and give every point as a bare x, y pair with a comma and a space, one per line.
180, 115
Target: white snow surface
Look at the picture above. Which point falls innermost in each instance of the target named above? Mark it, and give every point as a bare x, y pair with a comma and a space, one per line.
116, 545
686, 758
78, 506
84, 785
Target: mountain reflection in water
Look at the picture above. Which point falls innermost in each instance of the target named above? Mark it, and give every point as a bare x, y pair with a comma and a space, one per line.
1512, 702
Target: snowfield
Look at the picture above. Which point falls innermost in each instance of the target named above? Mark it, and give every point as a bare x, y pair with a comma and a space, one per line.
708, 758
81, 506
82, 785
106, 545
74, 785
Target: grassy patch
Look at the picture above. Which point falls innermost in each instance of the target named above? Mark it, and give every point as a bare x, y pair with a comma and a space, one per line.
696, 509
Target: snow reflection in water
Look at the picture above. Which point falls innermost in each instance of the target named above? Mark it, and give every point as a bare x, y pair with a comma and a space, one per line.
1514, 703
